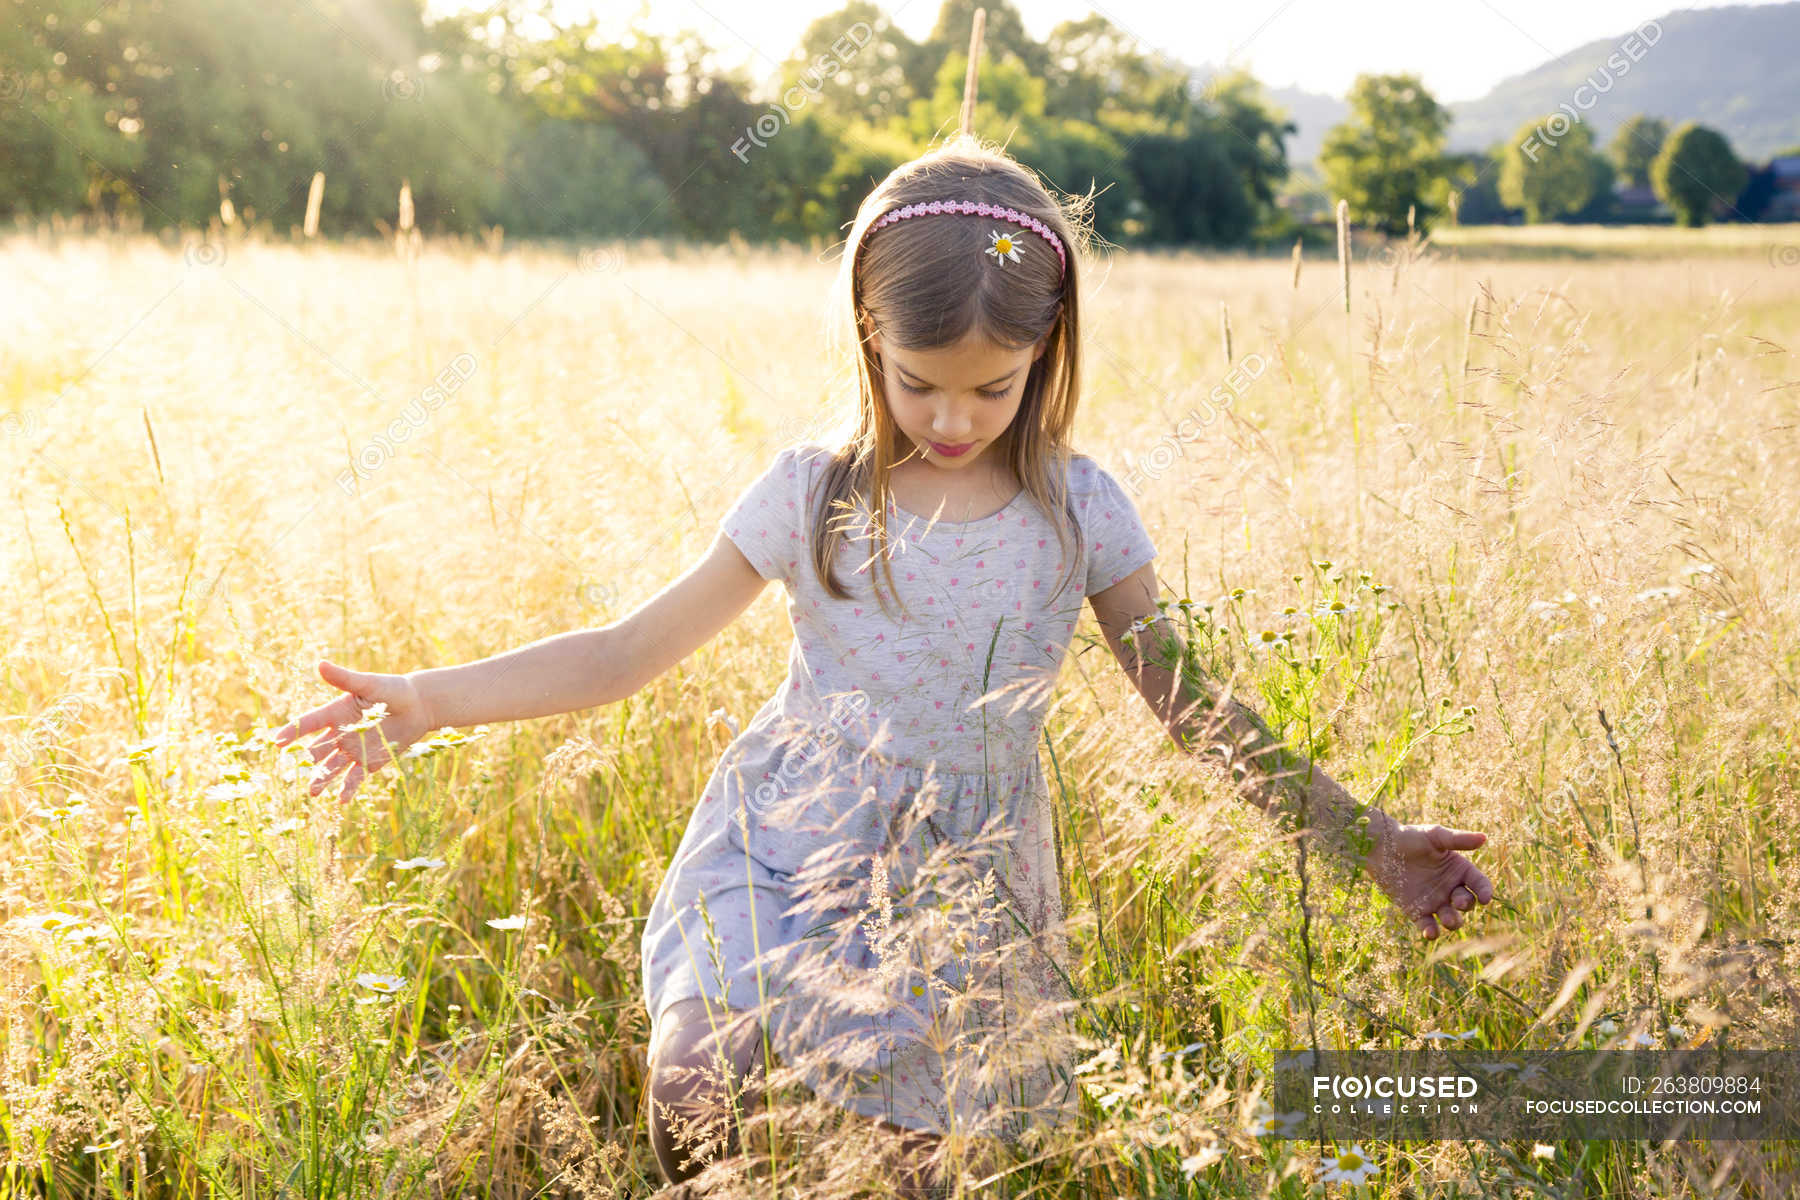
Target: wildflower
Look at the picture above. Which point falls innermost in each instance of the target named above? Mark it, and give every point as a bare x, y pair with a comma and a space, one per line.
1238, 593
1378, 588
1698, 569
1323, 564
1438, 1036
54, 922
139, 751
1288, 610
1678, 1031
1607, 1026
372, 716
1108, 1057
385, 984
291, 825
1002, 246
1336, 608
1195, 1163
1640, 1039
71, 806
417, 864
1273, 1124
103, 1147
232, 789
1539, 1150
1347, 1166
720, 717
514, 922
1650, 595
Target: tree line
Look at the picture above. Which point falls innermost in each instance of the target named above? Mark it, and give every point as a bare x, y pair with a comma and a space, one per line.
165, 112
1388, 159
176, 112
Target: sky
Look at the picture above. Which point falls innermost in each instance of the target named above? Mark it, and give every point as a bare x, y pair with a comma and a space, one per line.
1461, 48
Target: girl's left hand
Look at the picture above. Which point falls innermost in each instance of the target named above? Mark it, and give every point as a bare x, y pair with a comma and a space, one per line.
1420, 870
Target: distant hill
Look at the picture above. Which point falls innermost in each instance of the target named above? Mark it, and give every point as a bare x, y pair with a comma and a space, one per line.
1314, 113
1736, 69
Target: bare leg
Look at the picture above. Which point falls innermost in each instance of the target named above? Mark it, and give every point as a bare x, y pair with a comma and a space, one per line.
690, 1097
690, 1106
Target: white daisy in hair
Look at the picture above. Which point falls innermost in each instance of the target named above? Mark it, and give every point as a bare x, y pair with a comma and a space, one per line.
1004, 246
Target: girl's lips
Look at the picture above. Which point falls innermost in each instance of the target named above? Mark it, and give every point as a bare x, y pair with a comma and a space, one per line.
949, 451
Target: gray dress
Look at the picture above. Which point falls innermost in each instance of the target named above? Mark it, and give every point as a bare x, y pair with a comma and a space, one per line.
875, 861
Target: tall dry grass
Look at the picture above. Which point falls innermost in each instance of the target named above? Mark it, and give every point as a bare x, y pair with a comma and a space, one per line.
1576, 495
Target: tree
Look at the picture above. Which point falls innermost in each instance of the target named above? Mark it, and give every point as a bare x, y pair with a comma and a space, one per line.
1694, 168
1547, 168
1635, 146
1388, 154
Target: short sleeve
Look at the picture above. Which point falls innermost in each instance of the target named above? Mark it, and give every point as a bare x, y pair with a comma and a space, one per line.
768, 519
1116, 541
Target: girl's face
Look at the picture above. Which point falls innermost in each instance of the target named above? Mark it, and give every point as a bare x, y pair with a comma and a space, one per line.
954, 402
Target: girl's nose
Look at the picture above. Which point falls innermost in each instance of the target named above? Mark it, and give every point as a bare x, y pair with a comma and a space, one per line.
951, 425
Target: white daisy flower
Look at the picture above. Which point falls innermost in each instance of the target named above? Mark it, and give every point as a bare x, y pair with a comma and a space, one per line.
514, 922
1003, 247
1195, 1163
54, 922
1269, 1123
1347, 1166
417, 864
385, 984
62, 810
1539, 1150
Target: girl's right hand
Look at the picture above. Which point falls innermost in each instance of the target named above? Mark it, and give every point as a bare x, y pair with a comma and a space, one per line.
362, 750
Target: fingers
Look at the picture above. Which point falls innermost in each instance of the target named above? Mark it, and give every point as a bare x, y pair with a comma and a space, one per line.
351, 782
1479, 884
1454, 839
1427, 926
1449, 918
1461, 898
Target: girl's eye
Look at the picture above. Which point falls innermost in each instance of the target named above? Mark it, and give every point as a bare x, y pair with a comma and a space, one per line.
914, 390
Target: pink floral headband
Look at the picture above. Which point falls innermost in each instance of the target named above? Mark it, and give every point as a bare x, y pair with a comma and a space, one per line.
1003, 247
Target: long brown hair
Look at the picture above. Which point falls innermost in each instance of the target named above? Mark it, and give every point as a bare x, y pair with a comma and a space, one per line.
925, 283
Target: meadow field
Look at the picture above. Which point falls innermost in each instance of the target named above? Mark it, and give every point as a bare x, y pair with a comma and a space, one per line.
1557, 500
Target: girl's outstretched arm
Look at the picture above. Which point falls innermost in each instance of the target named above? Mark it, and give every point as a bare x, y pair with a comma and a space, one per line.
569, 671
1417, 866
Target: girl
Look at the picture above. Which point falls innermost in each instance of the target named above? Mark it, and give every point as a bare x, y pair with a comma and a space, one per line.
935, 562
